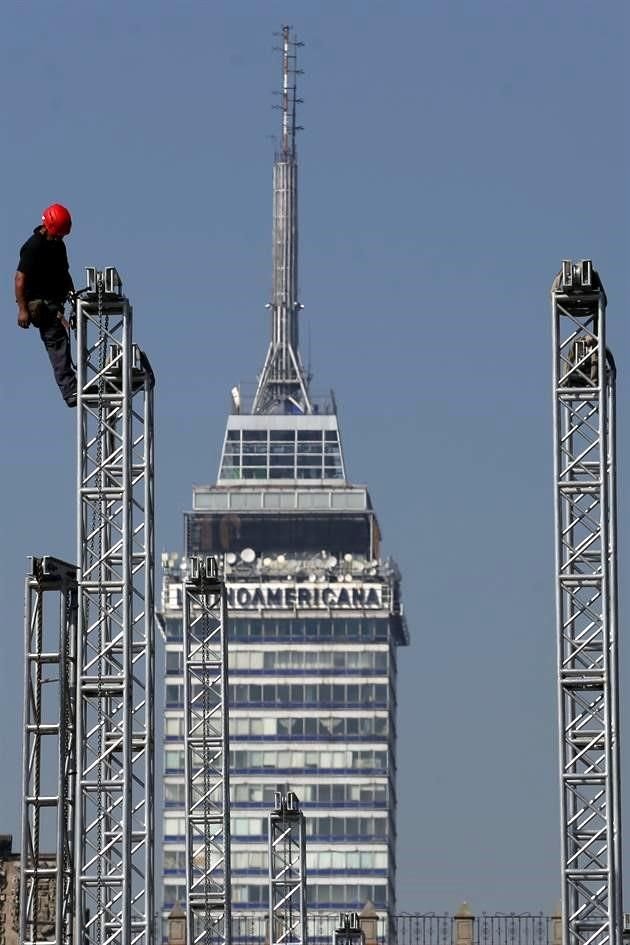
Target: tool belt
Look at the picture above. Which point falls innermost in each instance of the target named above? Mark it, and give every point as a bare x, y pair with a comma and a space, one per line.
44, 311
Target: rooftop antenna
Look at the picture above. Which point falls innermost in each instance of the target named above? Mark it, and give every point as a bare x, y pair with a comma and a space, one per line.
283, 383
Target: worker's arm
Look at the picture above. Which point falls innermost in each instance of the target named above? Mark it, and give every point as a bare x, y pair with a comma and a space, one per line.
24, 319
69, 282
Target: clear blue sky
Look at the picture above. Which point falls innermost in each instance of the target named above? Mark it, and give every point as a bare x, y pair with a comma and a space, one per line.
453, 154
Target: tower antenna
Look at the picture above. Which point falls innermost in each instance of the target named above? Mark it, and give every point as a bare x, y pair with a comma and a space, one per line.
283, 383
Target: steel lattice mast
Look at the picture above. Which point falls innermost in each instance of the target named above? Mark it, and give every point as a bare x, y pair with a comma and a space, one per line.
113, 839
48, 750
586, 610
283, 379
287, 872
206, 753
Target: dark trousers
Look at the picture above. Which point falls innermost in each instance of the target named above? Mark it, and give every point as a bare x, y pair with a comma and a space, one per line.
44, 315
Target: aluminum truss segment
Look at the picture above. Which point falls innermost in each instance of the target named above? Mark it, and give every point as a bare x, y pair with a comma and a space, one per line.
586, 609
48, 750
206, 753
287, 871
114, 877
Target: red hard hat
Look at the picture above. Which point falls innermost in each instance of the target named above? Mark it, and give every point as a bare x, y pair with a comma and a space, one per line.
57, 220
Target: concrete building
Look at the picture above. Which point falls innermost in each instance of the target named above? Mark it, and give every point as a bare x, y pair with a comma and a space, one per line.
10, 898
315, 620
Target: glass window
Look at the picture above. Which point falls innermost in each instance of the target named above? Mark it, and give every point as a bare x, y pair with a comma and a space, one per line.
380, 661
253, 473
174, 728
281, 449
309, 472
174, 694
174, 793
174, 661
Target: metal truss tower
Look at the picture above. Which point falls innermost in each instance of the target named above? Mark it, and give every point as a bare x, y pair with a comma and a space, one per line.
206, 753
48, 750
586, 609
283, 382
287, 872
114, 795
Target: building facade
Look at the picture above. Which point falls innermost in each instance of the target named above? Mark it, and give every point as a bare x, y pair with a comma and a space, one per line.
315, 620
10, 873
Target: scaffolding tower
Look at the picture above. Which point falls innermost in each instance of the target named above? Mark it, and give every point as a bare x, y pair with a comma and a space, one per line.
114, 796
206, 754
287, 871
586, 609
50, 620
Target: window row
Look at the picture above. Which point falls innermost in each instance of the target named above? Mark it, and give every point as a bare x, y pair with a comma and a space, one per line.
338, 794
251, 695
368, 759
296, 660
296, 630
268, 660
341, 860
328, 895
362, 726
319, 828
332, 793
309, 727
282, 436
278, 457
280, 472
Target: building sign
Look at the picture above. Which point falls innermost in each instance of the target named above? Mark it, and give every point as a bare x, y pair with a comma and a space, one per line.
308, 596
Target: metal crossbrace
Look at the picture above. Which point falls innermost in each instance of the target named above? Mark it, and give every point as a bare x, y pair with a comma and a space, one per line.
114, 795
206, 753
48, 753
586, 610
287, 871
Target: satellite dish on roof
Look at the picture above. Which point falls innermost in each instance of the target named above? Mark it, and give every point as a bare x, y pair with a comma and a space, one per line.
230, 557
248, 555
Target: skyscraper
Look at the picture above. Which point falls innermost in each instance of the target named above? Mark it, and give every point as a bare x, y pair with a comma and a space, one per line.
315, 619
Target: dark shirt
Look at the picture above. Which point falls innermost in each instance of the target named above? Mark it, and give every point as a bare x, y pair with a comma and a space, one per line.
45, 266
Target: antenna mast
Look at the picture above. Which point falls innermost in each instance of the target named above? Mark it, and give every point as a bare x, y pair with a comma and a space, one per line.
283, 384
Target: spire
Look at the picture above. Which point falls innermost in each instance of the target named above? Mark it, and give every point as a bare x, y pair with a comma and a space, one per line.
283, 383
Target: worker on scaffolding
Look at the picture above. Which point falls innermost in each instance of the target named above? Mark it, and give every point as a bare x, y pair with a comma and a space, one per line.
42, 285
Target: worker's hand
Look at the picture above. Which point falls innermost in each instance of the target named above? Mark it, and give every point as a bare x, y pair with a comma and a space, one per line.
24, 319
63, 321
